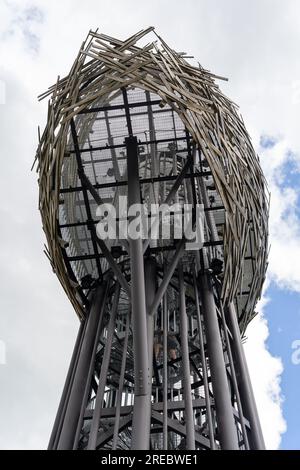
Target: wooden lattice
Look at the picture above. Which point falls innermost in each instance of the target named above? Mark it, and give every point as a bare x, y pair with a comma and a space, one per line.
105, 64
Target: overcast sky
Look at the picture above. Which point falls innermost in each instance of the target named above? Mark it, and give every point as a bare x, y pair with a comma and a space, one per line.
256, 45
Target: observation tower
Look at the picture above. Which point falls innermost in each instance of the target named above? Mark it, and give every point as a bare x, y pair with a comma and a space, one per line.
158, 362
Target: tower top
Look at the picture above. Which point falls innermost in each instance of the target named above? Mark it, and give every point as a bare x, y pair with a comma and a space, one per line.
169, 102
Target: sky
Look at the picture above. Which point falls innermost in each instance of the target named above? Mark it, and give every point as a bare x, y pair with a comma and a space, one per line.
256, 45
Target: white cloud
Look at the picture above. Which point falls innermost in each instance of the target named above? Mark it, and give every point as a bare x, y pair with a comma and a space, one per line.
284, 215
37, 324
21, 23
284, 270
265, 371
256, 45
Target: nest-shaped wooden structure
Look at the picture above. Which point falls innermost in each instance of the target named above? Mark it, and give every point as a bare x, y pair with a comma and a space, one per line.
103, 66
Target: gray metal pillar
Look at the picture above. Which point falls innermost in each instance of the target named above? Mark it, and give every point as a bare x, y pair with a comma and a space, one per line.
165, 373
121, 384
189, 414
234, 379
140, 429
66, 390
78, 387
224, 411
150, 288
255, 436
103, 373
204, 369
87, 387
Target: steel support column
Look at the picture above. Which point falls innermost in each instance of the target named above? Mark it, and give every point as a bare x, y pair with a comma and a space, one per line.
103, 372
204, 369
140, 428
78, 386
255, 435
66, 390
165, 372
189, 414
121, 384
225, 419
150, 287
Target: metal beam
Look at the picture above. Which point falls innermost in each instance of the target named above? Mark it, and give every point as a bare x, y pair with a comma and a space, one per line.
140, 432
255, 435
90, 382
167, 277
165, 372
104, 437
99, 109
188, 414
180, 429
117, 413
87, 184
85, 195
114, 266
177, 405
118, 146
72, 414
226, 425
233, 377
111, 261
103, 373
157, 179
167, 201
204, 368
66, 390
150, 288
